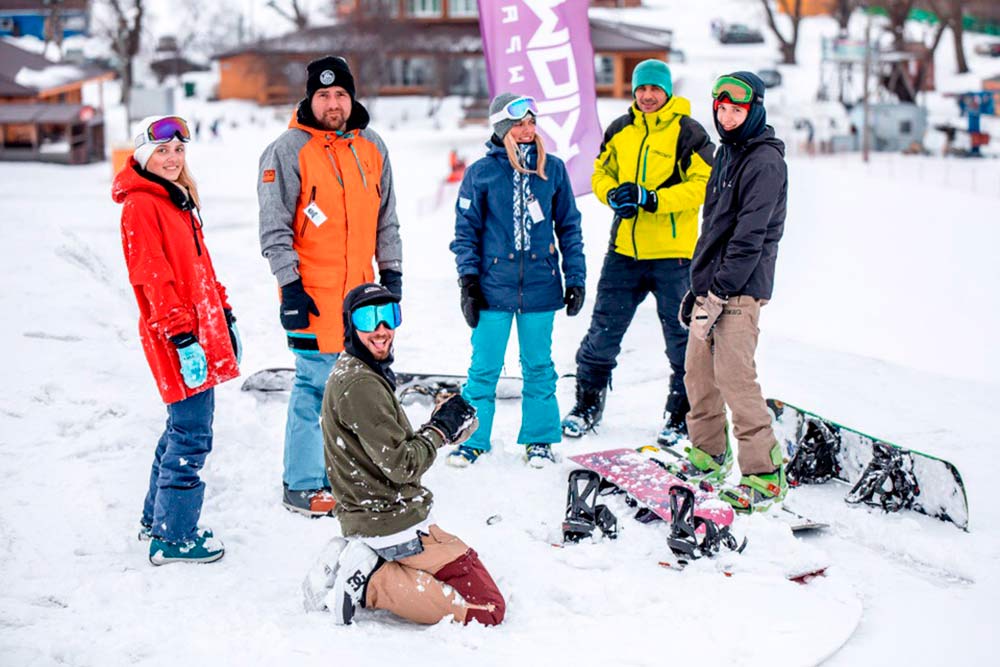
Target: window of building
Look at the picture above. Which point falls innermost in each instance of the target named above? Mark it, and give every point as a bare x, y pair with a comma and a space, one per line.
604, 70
423, 8
462, 8
467, 76
381, 7
411, 72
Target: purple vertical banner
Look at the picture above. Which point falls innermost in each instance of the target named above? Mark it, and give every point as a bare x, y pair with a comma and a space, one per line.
542, 48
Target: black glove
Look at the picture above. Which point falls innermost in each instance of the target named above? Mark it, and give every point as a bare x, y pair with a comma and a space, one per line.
296, 304
472, 299
392, 281
687, 307
618, 200
234, 334
454, 419
632, 195
574, 300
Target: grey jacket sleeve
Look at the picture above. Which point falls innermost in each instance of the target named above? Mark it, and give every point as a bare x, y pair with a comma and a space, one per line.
278, 186
388, 245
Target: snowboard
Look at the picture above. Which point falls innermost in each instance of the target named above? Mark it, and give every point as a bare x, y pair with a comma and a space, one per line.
649, 484
408, 385
881, 474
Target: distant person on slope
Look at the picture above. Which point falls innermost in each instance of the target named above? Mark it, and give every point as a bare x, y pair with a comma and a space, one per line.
654, 163
327, 209
187, 328
396, 557
514, 206
732, 277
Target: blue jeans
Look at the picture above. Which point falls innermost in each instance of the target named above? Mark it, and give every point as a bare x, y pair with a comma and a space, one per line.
305, 463
624, 284
539, 409
173, 502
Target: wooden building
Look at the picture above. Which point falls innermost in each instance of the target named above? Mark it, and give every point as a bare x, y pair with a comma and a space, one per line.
414, 47
30, 78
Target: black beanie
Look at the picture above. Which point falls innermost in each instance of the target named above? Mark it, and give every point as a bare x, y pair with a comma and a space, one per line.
329, 71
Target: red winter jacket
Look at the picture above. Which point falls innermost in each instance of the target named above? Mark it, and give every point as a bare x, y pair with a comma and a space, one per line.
174, 283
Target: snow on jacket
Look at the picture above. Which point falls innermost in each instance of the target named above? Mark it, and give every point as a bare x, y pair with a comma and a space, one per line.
513, 251
666, 151
744, 220
174, 282
374, 460
327, 207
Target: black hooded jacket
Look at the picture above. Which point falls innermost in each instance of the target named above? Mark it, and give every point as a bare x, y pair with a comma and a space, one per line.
743, 219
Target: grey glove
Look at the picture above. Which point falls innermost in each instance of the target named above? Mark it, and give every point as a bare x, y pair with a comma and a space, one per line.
706, 314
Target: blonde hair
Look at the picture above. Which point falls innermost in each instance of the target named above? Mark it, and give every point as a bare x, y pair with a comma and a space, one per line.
515, 161
186, 180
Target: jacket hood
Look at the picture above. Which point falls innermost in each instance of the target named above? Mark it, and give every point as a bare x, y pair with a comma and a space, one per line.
756, 121
304, 119
768, 137
362, 295
134, 178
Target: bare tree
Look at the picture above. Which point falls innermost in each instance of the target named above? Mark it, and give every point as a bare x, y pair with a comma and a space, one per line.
209, 27
842, 10
788, 44
124, 30
898, 11
952, 15
293, 10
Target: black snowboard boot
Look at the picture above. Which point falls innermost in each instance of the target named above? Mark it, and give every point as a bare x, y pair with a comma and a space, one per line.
587, 412
675, 427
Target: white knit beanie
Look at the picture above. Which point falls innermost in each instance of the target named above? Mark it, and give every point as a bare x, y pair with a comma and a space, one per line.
144, 148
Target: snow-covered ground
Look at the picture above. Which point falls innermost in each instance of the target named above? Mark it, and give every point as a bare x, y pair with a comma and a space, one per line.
883, 318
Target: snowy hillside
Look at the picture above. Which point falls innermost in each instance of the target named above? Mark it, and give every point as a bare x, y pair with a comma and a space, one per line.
882, 318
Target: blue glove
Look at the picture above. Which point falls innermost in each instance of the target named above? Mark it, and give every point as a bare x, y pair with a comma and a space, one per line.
632, 195
194, 366
234, 336
621, 202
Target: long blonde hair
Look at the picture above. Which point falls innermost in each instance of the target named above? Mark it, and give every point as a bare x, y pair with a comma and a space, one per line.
515, 159
186, 180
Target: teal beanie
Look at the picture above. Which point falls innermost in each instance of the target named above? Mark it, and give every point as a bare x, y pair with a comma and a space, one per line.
652, 73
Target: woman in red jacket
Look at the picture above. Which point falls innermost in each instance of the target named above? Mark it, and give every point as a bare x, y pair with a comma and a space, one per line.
187, 329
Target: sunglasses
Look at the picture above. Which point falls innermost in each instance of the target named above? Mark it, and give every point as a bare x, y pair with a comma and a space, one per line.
737, 90
515, 110
164, 130
367, 318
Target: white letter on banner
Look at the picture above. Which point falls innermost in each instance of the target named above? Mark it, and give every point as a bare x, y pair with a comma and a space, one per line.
515, 74
509, 14
515, 44
561, 134
546, 35
541, 64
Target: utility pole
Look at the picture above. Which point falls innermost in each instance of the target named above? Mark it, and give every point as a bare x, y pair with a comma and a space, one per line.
866, 116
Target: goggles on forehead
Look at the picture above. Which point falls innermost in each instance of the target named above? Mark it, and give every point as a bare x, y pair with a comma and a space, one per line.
367, 318
515, 110
164, 130
736, 90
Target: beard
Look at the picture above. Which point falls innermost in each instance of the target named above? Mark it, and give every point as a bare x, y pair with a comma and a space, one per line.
335, 121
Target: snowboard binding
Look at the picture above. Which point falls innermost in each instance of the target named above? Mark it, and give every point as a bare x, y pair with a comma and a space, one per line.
888, 482
684, 526
815, 460
583, 514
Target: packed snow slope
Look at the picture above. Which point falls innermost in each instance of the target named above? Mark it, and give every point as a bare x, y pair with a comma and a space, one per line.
881, 319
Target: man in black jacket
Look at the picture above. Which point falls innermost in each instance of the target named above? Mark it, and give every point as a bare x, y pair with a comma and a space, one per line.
732, 276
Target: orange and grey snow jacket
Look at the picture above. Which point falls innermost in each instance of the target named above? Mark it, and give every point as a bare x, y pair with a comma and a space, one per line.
327, 208
666, 151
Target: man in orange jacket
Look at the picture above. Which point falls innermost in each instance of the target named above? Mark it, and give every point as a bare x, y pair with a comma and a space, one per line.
327, 209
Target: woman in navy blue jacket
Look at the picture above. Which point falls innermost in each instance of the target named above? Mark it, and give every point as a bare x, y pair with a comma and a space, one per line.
513, 206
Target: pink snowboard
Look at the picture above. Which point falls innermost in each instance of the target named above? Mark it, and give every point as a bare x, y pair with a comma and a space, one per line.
649, 483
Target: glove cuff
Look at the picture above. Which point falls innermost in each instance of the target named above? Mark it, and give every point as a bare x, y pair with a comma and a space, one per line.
183, 340
468, 280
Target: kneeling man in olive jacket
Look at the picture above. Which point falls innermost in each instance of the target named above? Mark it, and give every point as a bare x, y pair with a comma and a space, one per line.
395, 556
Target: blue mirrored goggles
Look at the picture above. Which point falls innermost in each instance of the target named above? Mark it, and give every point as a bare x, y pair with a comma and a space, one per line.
367, 318
515, 110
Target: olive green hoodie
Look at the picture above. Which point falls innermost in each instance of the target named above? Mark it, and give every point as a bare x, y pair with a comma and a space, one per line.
374, 460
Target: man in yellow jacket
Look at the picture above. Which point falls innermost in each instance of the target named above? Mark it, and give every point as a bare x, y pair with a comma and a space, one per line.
654, 163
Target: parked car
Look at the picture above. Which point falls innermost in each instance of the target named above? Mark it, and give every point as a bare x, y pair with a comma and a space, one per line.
737, 33
991, 49
770, 77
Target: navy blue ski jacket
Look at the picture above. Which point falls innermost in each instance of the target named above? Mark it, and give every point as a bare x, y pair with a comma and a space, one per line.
512, 251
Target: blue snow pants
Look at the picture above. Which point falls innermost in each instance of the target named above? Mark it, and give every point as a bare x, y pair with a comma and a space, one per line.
623, 285
173, 501
539, 409
305, 462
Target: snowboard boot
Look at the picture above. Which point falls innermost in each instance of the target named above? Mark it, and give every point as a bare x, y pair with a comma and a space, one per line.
310, 502
757, 493
204, 548
675, 427
539, 455
319, 580
587, 412
355, 566
698, 465
463, 456
146, 532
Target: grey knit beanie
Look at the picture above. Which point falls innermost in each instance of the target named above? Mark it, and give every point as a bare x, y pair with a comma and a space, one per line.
501, 128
